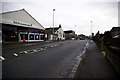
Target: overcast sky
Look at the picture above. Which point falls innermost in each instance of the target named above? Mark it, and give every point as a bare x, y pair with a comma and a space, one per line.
68, 13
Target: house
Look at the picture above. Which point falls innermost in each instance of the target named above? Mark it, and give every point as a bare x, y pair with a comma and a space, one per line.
20, 26
82, 37
58, 33
70, 34
115, 32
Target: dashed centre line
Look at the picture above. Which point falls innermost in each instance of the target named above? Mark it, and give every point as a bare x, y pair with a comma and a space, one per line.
2, 58
32, 51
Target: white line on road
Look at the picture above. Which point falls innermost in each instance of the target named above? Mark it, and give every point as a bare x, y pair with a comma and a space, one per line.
2, 58
35, 50
42, 49
25, 52
51, 46
22, 52
78, 60
16, 55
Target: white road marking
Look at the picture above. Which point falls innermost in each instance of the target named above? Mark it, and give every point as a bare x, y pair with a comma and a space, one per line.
42, 49
51, 46
15, 54
23, 52
39, 49
78, 60
56, 45
34, 50
2, 58
30, 51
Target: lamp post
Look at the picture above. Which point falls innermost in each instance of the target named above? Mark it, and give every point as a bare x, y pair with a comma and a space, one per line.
75, 27
53, 23
75, 31
91, 29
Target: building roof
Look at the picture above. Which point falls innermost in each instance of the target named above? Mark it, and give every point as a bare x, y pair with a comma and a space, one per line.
115, 29
115, 32
20, 18
69, 31
50, 30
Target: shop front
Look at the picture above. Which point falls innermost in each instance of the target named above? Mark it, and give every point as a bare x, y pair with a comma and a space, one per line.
30, 35
22, 28
21, 34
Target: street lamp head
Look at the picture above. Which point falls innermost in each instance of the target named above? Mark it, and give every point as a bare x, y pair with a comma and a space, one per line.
53, 9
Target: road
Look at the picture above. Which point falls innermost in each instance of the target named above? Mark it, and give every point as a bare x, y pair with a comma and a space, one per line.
56, 60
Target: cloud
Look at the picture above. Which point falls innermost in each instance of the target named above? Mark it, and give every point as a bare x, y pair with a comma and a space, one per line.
60, 0
69, 13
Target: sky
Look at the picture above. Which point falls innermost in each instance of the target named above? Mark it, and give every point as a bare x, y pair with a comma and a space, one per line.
71, 14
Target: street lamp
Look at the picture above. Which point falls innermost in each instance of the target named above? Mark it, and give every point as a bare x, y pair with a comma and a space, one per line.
53, 23
75, 31
91, 29
75, 27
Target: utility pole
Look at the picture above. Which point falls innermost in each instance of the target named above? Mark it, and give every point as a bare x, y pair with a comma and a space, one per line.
91, 29
53, 23
75, 27
75, 32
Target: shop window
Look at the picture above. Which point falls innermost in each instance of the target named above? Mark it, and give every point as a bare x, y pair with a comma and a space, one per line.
31, 36
42, 37
36, 37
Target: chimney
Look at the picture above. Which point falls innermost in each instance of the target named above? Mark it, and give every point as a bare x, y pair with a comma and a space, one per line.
60, 26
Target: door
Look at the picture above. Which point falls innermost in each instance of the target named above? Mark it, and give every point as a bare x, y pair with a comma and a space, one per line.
23, 37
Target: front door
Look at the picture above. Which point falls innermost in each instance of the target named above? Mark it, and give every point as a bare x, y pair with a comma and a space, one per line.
23, 37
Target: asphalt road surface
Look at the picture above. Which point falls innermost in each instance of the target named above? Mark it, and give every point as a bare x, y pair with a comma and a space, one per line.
52, 62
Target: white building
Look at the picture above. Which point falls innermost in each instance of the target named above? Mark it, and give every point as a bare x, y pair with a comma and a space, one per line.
58, 33
20, 26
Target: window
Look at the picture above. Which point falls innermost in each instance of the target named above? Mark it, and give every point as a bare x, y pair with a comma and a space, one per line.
36, 37
31, 36
42, 36
63, 35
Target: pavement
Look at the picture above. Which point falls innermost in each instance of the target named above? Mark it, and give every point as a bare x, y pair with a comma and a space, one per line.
95, 65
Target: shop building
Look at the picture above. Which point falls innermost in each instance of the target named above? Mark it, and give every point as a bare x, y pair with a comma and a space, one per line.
20, 26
